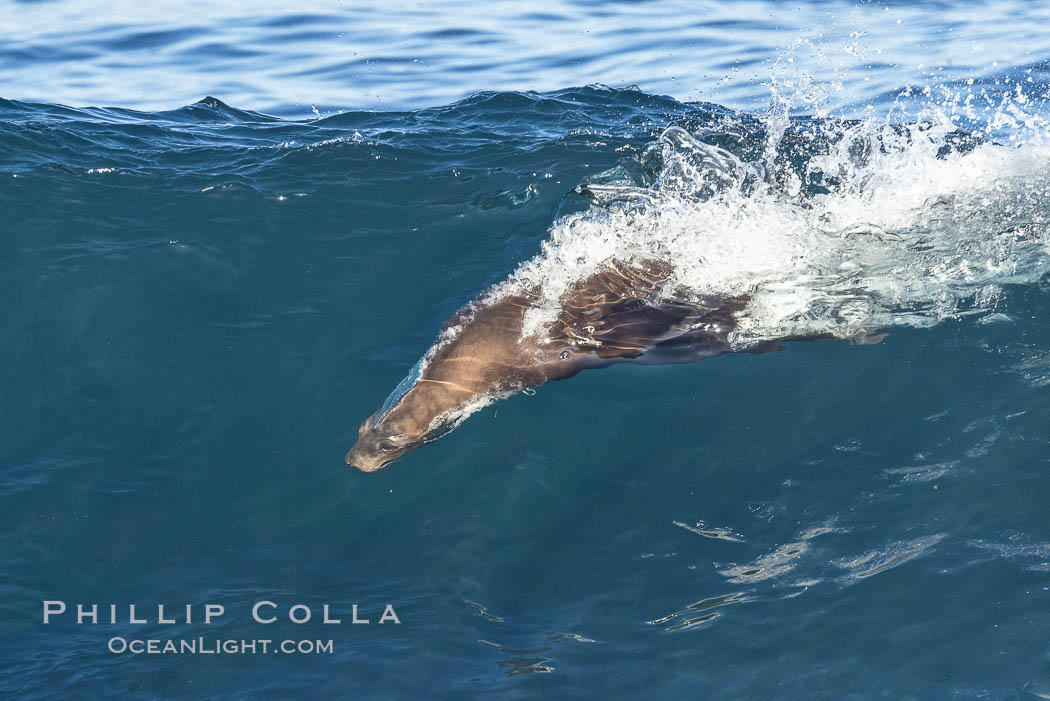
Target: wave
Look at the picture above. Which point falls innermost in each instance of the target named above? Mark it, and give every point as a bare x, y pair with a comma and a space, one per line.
837, 228
827, 225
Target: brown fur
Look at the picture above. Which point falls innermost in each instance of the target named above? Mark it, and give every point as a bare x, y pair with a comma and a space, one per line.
617, 314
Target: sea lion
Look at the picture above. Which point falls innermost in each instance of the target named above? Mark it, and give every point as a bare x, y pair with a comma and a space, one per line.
621, 313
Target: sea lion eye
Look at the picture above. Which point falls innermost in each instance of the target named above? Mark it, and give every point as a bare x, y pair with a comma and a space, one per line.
387, 446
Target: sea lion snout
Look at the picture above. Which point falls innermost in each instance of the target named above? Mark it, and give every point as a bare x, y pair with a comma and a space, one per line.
375, 448
365, 463
366, 457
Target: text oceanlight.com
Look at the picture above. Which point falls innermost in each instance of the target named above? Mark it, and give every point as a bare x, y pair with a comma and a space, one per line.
203, 646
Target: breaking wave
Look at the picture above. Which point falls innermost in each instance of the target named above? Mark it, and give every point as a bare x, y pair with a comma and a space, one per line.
826, 226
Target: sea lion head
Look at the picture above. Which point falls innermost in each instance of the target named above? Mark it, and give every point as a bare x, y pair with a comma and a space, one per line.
379, 443
410, 417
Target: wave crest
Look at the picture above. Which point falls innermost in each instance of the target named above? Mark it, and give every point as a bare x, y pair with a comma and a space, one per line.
836, 227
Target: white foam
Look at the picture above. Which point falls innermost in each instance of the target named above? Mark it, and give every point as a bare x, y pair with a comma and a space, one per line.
906, 235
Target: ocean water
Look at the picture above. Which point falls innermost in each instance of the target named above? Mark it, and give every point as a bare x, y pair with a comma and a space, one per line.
227, 233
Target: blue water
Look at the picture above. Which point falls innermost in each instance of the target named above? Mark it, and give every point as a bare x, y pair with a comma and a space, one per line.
201, 299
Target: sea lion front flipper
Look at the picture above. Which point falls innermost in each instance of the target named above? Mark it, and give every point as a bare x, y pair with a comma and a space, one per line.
866, 339
623, 313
